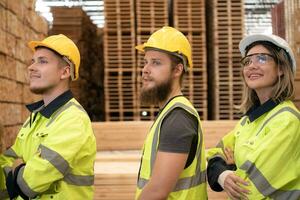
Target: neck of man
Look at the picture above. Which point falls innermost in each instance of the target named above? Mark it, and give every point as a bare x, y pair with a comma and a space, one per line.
175, 92
52, 93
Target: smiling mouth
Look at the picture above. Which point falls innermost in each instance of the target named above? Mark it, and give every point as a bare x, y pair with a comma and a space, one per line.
33, 76
254, 76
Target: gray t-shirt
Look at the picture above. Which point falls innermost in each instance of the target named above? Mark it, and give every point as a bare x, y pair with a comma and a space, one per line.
179, 134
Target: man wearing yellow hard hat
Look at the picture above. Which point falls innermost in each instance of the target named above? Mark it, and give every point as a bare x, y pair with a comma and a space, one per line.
54, 153
173, 163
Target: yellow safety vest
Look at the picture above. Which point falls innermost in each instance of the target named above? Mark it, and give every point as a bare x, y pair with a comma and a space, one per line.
267, 153
59, 153
192, 181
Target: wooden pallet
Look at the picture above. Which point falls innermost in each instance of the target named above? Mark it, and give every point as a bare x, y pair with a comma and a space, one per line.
119, 16
151, 15
224, 33
189, 15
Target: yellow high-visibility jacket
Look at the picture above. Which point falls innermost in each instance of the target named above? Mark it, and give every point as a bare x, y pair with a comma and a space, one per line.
192, 181
267, 152
58, 147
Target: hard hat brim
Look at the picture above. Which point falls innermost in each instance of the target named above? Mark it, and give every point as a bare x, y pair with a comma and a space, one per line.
140, 47
254, 38
34, 44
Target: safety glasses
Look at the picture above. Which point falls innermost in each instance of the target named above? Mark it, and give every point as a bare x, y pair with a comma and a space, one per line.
257, 59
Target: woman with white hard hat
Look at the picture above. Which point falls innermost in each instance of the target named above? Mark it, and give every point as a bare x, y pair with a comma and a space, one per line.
260, 157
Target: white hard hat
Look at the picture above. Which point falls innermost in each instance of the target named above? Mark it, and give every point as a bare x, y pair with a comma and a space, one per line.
274, 39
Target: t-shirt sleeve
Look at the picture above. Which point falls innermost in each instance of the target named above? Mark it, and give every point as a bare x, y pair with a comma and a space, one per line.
178, 130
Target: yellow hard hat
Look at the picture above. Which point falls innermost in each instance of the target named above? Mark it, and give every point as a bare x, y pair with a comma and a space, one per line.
171, 40
63, 46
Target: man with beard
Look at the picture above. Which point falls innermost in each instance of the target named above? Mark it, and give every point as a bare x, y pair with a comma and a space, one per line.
54, 153
173, 163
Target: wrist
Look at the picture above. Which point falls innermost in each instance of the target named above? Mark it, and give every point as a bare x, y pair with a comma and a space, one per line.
223, 176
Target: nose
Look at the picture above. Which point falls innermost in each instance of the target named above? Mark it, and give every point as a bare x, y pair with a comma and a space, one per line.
145, 69
31, 66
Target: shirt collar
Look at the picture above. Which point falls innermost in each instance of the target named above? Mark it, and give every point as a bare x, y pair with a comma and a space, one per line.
48, 110
258, 110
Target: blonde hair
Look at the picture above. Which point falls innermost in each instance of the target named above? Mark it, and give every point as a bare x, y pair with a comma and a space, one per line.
283, 89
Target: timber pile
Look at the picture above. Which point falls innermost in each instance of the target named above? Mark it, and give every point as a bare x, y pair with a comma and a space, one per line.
119, 145
119, 58
19, 24
88, 89
225, 30
288, 26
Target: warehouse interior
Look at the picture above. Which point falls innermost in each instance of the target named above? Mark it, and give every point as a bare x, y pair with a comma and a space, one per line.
106, 32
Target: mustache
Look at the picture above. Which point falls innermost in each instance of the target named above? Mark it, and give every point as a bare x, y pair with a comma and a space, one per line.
147, 78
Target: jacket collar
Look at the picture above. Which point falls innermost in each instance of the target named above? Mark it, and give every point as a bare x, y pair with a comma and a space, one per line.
48, 110
258, 110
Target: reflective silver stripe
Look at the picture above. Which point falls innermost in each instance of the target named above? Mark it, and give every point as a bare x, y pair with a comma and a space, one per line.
243, 122
55, 159
4, 194
183, 183
63, 108
264, 187
189, 182
7, 170
10, 153
26, 123
23, 185
79, 180
287, 109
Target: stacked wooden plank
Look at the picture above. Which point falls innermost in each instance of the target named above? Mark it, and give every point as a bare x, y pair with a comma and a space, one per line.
151, 15
288, 13
189, 17
88, 89
120, 62
292, 25
225, 30
117, 161
19, 24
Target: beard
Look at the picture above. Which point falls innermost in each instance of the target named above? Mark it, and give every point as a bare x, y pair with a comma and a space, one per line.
156, 94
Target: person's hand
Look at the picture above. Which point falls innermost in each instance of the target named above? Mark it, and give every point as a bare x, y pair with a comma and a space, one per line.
17, 162
233, 186
229, 156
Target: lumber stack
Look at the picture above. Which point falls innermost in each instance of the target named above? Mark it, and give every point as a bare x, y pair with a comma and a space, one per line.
225, 30
288, 26
119, 151
130, 135
88, 89
189, 17
19, 24
120, 65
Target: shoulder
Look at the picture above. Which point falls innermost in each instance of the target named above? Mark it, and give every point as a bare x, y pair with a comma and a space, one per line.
285, 111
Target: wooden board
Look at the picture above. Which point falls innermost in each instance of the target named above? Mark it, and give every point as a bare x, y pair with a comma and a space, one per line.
130, 135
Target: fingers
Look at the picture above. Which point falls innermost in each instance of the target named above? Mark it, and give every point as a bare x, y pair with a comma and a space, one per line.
233, 187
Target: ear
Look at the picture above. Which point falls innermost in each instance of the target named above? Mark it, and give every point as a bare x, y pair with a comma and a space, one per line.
178, 70
66, 72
